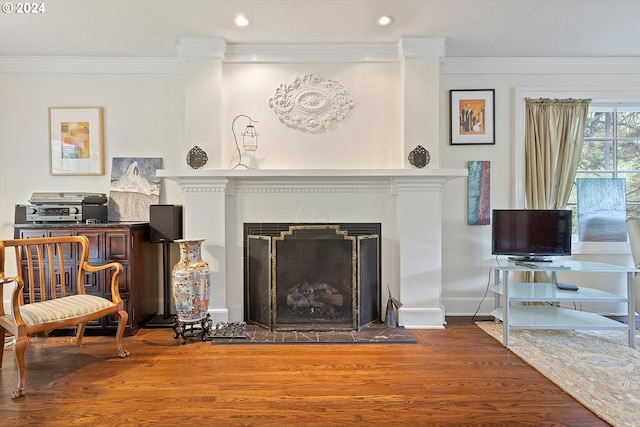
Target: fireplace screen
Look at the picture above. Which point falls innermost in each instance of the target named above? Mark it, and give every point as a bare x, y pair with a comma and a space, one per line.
312, 277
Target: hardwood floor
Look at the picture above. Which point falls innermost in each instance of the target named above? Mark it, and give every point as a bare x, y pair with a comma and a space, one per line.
455, 376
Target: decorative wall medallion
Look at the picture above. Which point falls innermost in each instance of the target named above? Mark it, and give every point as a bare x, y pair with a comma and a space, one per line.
196, 158
311, 103
419, 157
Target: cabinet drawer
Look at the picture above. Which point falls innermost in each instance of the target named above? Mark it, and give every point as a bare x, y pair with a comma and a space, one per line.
32, 234
68, 250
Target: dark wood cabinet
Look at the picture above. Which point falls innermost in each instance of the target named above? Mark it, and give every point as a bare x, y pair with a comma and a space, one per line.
126, 243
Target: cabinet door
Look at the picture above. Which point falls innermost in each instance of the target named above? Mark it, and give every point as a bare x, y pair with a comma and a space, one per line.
94, 283
96, 251
117, 243
69, 279
68, 254
70, 273
123, 281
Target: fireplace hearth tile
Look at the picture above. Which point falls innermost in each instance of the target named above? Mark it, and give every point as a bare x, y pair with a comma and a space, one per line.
374, 334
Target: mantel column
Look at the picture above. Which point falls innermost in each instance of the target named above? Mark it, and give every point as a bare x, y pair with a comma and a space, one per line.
419, 220
420, 61
202, 64
204, 218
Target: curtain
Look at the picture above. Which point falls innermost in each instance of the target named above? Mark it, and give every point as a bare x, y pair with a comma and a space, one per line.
554, 133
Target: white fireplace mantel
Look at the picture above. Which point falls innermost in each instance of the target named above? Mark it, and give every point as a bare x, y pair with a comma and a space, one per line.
288, 174
407, 202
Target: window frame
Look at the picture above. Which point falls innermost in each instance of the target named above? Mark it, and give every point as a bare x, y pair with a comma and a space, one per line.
598, 96
611, 160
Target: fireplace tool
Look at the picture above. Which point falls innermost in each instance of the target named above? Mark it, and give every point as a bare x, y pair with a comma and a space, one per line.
392, 305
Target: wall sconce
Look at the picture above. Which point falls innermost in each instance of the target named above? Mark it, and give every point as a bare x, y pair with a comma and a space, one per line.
249, 138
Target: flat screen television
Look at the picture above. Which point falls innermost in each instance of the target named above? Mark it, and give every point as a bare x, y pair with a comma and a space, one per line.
531, 234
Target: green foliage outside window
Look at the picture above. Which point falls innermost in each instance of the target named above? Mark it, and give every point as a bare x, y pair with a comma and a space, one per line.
612, 150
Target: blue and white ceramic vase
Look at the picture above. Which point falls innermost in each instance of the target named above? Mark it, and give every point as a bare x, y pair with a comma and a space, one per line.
191, 282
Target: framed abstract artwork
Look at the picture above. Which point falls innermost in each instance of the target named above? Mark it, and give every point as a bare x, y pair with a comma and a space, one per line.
472, 117
75, 141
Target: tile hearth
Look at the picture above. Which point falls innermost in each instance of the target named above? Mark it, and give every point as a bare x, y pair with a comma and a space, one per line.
377, 333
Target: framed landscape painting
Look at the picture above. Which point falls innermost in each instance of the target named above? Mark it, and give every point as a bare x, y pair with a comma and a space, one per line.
75, 141
472, 116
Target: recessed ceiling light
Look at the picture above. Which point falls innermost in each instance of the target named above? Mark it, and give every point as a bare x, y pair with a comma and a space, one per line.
241, 21
384, 20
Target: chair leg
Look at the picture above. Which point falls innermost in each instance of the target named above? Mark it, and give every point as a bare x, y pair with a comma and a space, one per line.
3, 332
123, 318
20, 345
80, 334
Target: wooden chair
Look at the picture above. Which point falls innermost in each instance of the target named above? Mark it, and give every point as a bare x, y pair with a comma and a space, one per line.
55, 297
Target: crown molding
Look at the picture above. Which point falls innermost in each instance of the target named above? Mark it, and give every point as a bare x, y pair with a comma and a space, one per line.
202, 47
88, 65
311, 53
300, 52
541, 65
337, 52
189, 48
412, 47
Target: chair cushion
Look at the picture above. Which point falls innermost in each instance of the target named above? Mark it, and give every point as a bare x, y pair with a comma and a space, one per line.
62, 308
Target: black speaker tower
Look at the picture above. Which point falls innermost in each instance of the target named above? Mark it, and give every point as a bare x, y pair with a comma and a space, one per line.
165, 223
165, 226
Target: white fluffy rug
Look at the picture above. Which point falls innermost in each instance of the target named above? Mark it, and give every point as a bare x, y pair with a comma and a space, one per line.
596, 368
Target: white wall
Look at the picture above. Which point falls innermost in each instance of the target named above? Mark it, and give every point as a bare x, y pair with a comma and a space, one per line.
144, 117
368, 137
464, 282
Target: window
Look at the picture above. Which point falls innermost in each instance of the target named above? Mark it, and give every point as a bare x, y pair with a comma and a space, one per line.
611, 150
622, 99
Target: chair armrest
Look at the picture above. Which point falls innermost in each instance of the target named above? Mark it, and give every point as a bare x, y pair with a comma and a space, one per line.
115, 292
3, 280
15, 298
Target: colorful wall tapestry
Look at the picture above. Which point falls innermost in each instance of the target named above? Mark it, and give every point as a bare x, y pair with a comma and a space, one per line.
478, 183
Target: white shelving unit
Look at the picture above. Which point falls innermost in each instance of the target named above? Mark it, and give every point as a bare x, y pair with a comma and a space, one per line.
553, 316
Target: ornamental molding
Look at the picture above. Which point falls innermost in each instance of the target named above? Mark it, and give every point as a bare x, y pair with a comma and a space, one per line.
311, 103
313, 187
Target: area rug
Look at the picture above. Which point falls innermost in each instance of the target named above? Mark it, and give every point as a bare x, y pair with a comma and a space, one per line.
374, 334
596, 368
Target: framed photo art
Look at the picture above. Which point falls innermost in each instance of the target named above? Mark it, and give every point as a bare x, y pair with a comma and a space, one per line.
75, 141
472, 118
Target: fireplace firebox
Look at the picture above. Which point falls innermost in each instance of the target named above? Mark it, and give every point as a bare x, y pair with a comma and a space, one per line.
316, 277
